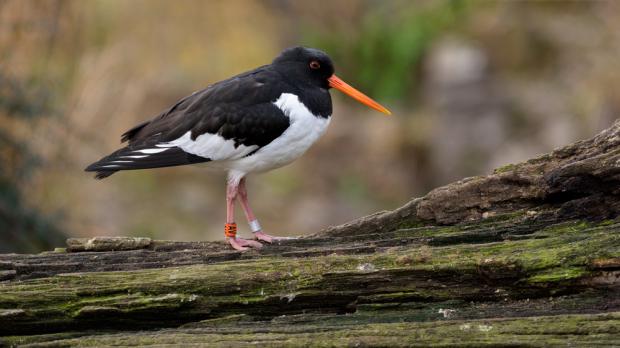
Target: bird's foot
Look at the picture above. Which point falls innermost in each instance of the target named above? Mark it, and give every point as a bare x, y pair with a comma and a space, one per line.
243, 244
269, 239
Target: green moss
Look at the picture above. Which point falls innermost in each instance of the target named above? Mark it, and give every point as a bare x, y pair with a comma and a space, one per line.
558, 274
321, 331
506, 168
555, 254
411, 223
607, 222
544, 158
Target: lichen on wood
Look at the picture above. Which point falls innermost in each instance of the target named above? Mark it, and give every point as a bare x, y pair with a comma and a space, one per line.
527, 256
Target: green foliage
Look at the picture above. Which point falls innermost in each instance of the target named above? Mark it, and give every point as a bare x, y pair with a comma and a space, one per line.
384, 60
23, 228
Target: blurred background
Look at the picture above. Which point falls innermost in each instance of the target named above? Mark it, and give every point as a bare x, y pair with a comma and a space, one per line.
473, 85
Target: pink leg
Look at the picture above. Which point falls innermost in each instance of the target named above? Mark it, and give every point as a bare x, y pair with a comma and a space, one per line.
249, 214
232, 189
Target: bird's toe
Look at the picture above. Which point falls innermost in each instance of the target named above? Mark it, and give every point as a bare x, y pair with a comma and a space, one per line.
263, 237
243, 244
238, 244
252, 244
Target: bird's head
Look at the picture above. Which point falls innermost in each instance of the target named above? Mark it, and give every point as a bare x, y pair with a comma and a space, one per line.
311, 66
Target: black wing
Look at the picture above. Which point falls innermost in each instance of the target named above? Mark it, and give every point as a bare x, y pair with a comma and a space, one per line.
239, 109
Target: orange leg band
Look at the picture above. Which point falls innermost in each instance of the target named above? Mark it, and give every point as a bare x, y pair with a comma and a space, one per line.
230, 230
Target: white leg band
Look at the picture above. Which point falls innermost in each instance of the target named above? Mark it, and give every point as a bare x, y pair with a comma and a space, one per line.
255, 226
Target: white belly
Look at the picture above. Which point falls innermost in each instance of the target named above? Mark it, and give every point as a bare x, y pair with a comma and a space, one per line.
305, 129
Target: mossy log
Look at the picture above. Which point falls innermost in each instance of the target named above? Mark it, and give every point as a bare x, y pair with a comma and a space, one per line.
527, 256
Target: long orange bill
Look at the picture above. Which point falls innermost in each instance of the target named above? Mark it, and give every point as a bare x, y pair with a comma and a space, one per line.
337, 83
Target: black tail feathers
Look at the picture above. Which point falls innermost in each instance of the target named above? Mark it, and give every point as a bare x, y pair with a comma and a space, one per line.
100, 173
142, 158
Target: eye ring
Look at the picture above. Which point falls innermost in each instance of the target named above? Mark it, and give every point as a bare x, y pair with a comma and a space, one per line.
314, 65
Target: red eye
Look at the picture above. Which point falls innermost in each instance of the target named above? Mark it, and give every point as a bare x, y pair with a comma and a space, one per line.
314, 65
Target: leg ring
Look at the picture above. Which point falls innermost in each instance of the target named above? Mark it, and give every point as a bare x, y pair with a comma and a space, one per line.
255, 226
230, 230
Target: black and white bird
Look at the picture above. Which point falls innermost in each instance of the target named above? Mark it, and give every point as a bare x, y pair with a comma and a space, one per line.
250, 123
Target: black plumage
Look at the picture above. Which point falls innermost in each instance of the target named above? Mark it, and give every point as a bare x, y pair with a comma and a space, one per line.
240, 108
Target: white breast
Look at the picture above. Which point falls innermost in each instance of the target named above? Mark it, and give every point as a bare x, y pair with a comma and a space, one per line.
305, 129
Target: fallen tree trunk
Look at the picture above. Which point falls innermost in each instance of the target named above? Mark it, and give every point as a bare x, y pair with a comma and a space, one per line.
527, 256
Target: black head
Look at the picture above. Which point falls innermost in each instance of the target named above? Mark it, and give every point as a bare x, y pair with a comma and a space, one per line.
306, 66
309, 67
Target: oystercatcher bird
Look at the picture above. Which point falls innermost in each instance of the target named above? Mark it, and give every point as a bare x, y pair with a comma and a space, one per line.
253, 122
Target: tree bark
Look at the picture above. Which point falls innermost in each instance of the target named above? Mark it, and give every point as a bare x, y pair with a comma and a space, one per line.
526, 256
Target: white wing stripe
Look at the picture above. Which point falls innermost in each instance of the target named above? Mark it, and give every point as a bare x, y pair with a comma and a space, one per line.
151, 151
138, 156
212, 146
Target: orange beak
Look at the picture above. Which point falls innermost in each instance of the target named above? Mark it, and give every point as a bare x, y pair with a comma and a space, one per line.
344, 87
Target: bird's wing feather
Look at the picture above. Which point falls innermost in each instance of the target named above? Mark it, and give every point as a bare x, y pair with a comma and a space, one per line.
225, 121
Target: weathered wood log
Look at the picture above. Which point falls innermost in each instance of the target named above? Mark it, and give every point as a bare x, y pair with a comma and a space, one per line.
527, 256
